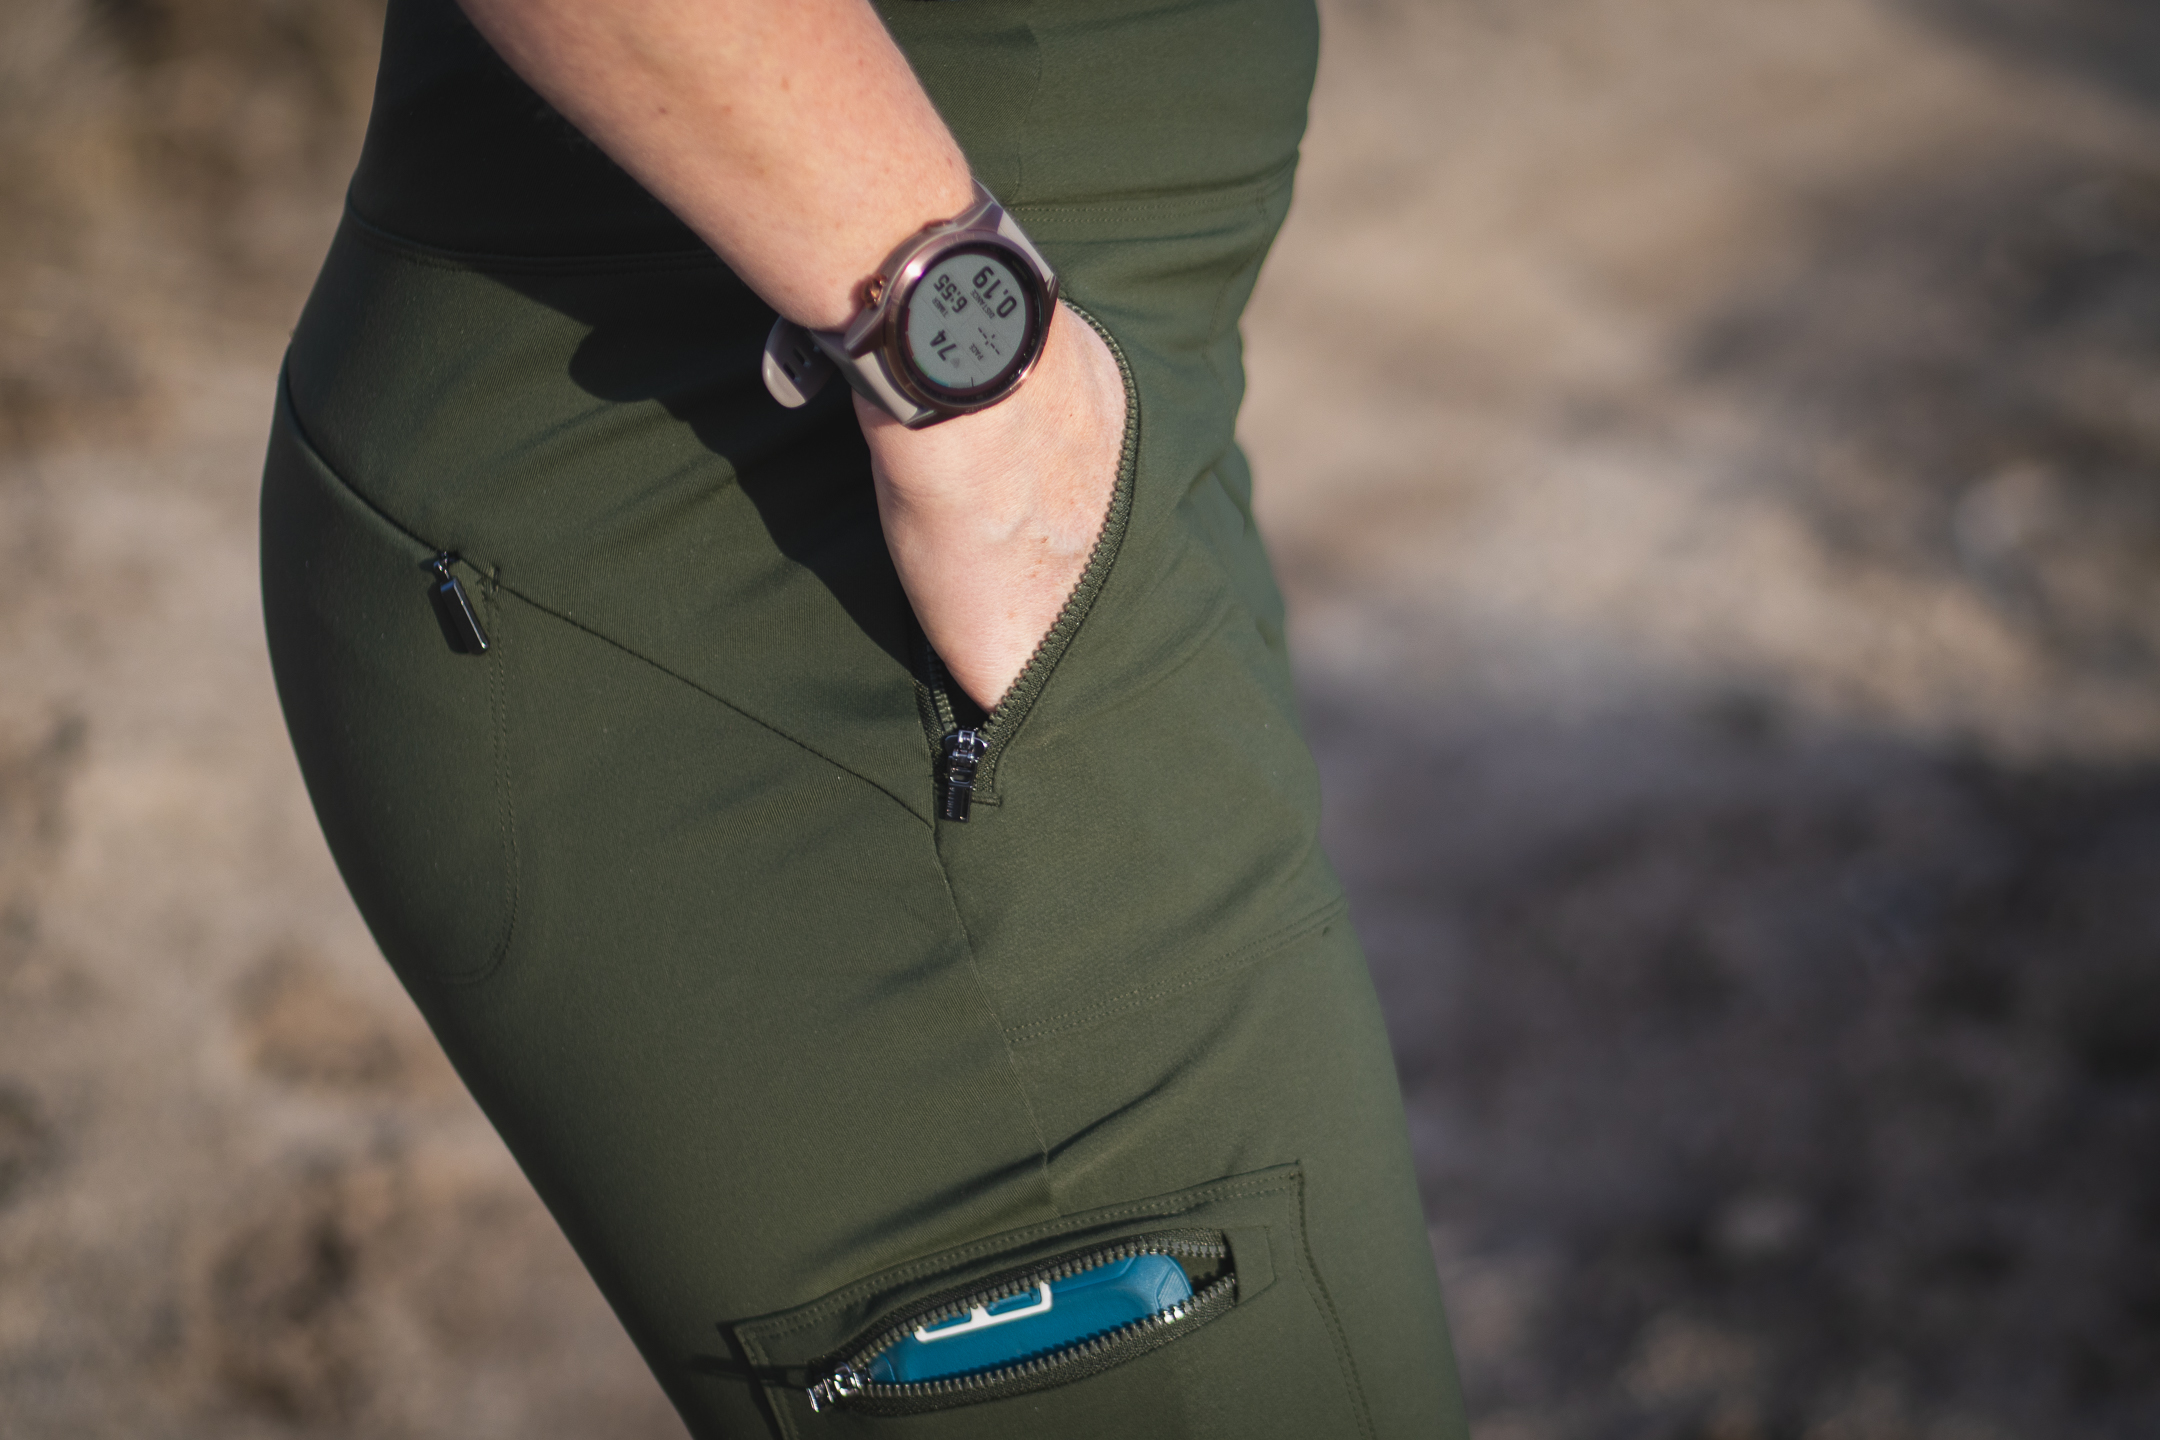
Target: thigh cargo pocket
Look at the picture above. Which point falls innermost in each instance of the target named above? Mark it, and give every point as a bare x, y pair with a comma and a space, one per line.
1198, 1309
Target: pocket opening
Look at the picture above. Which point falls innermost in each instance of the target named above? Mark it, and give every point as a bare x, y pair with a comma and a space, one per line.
1276, 1342
947, 712
860, 1377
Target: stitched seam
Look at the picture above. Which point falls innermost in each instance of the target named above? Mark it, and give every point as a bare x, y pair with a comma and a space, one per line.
509, 789
1222, 301
1229, 198
499, 682
841, 1299
1246, 954
1334, 1321
721, 700
1012, 1061
315, 453
1020, 152
499, 702
485, 263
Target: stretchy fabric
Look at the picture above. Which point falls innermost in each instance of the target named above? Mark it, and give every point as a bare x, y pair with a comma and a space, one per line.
782, 1050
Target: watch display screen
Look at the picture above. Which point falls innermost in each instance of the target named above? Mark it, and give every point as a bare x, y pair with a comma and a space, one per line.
968, 321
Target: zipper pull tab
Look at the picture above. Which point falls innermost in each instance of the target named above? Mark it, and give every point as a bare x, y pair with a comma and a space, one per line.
834, 1388
453, 609
963, 752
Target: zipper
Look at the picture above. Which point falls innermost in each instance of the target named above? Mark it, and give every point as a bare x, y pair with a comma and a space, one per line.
989, 739
963, 753
454, 608
847, 1380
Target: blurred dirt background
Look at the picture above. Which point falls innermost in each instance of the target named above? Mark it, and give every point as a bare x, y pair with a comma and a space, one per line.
1714, 454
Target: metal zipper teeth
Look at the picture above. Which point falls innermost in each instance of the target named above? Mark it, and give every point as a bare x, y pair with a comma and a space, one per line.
1018, 698
1048, 1275
941, 695
1070, 1354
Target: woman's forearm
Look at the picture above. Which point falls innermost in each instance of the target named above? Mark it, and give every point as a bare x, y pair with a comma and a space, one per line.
791, 136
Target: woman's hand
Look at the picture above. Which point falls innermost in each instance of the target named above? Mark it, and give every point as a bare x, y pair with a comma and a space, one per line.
991, 517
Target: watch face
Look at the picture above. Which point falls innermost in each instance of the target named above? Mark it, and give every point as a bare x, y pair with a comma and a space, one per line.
972, 322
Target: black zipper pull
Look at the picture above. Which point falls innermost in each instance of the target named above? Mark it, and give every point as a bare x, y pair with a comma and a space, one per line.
453, 609
834, 1388
963, 752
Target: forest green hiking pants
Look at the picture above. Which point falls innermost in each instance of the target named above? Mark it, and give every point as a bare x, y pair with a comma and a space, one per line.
800, 1065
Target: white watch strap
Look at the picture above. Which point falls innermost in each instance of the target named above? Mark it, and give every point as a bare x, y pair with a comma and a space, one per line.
799, 362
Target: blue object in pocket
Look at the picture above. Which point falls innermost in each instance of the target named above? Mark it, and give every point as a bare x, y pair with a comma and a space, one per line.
1052, 1315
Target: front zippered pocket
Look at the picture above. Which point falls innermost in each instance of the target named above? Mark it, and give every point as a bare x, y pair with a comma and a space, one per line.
1039, 1348
977, 748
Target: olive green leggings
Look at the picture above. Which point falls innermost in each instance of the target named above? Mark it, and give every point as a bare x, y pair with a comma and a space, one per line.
802, 1066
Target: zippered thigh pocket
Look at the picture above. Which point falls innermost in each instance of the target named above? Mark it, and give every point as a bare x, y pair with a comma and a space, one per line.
943, 1352
1164, 1307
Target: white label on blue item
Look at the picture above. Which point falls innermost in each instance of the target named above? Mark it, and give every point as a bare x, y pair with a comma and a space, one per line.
982, 1317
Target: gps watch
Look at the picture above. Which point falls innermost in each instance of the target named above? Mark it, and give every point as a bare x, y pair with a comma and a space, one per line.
951, 323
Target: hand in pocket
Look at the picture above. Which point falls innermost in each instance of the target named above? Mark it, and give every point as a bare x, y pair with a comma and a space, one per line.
991, 517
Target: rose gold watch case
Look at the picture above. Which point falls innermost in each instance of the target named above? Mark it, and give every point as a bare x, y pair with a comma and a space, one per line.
984, 230
872, 351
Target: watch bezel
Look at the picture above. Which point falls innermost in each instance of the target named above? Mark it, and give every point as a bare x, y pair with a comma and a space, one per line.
890, 335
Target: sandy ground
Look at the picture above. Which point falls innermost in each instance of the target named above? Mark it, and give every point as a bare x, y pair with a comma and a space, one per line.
1714, 455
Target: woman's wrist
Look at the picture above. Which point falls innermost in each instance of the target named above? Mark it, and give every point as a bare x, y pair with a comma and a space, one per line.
823, 289
1064, 390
